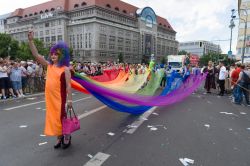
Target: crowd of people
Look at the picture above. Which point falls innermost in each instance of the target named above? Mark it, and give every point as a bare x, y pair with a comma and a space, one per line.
15, 76
234, 78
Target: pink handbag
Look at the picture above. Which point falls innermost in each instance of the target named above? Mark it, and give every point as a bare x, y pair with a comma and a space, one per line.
70, 123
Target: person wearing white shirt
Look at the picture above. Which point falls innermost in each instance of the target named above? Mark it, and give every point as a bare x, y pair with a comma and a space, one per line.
222, 77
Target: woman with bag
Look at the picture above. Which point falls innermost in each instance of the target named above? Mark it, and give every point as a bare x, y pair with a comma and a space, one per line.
57, 89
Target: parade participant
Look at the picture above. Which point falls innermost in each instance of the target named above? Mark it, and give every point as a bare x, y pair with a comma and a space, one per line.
57, 89
210, 78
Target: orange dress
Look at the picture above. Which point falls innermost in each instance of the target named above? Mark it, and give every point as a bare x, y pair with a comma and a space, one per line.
55, 97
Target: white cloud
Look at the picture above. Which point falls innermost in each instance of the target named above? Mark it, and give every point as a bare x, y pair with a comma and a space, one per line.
196, 20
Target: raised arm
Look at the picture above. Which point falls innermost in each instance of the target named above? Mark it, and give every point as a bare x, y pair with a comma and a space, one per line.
34, 51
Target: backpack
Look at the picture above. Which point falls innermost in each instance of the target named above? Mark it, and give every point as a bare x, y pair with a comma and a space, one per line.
246, 78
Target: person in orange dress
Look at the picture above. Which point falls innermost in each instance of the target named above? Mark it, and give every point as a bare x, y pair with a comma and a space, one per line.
57, 89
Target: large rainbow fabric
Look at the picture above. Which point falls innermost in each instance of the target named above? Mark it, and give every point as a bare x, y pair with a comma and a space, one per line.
134, 93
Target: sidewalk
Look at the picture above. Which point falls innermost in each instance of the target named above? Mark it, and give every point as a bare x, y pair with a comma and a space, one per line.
26, 96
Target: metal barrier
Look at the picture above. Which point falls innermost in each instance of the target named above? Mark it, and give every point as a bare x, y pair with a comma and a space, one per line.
34, 85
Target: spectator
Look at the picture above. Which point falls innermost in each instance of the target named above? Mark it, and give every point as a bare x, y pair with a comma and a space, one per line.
234, 77
222, 77
16, 79
244, 82
5, 80
24, 75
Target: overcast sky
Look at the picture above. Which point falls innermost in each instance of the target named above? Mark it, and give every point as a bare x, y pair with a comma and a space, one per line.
191, 19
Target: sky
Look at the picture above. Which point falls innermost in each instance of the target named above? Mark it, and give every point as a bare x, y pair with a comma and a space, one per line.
191, 19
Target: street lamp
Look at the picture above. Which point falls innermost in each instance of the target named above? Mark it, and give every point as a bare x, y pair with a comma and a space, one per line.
231, 26
245, 31
9, 51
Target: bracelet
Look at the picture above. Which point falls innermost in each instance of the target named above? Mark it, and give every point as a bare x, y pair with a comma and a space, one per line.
70, 101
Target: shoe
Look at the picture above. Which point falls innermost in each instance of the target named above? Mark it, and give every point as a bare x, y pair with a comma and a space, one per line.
236, 103
208, 92
59, 143
65, 146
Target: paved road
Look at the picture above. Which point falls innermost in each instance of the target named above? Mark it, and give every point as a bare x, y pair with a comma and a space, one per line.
205, 128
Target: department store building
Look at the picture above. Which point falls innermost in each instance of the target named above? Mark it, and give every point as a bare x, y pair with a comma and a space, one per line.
97, 30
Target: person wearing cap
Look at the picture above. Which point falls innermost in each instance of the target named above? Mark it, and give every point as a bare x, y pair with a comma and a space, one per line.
57, 89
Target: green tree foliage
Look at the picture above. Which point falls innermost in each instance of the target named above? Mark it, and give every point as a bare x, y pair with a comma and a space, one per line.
120, 57
163, 60
8, 46
216, 58
183, 52
19, 51
24, 52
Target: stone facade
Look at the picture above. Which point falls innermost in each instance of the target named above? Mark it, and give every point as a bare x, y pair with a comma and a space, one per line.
99, 34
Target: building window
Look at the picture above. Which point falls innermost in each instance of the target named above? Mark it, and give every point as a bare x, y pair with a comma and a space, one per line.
108, 5
89, 40
25, 16
46, 10
59, 37
53, 38
103, 54
52, 9
47, 39
47, 24
53, 31
84, 4
111, 46
41, 12
124, 11
47, 32
116, 8
35, 13
53, 23
30, 14
76, 6
59, 30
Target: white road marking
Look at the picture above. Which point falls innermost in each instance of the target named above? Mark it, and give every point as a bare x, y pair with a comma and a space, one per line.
25, 105
43, 143
91, 112
97, 160
140, 120
23, 126
111, 134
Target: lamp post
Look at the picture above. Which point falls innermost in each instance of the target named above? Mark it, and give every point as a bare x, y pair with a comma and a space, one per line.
9, 51
231, 26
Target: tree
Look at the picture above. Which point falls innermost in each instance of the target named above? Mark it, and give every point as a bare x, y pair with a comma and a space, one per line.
163, 60
120, 57
183, 52
24, 52
8, 46
216, 58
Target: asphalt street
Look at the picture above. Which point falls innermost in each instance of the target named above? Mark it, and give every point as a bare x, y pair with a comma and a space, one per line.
204, 129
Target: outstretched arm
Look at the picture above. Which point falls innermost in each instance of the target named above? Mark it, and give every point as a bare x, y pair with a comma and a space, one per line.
34, 51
